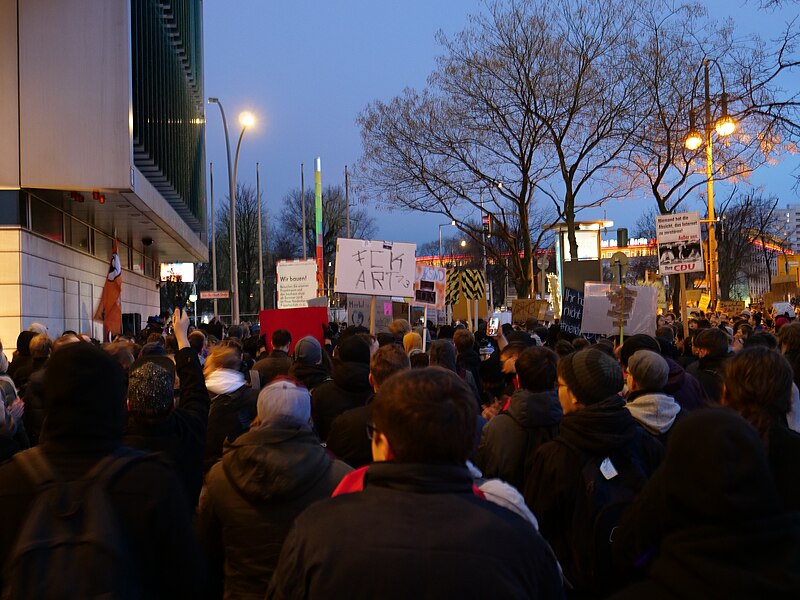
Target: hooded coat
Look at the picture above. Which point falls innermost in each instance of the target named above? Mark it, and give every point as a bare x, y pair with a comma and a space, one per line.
711, 515
348, 389
20, 367
604, 429
685, 388
530, 420
657, 412
710, 372
265, 479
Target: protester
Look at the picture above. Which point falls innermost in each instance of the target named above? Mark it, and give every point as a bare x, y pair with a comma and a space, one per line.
308, 366
467, 357
277, 362
711, 519
417, 529
652, 408
712, 349
443, 354
412, 341
22, 360
265, 479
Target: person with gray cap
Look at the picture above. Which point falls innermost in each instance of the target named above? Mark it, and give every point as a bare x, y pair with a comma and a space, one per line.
581, 481
653, 409
266, 478
309, 366
157, 423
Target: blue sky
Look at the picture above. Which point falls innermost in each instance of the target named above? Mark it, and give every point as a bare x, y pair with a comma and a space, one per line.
306, 68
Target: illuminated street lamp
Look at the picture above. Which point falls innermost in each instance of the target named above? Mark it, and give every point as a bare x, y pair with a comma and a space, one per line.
724, 126
451, 223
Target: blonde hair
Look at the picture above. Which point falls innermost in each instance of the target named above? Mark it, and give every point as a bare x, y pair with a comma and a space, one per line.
223, 357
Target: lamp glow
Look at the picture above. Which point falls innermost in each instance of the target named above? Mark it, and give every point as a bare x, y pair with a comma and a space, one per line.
725, 126
246, 119
694, 140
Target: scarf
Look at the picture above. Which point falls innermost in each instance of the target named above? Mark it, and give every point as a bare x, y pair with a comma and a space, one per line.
224, 381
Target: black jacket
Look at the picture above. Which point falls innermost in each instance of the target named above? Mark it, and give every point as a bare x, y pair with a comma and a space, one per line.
605, 429
530, 420
415, 531
710, 372
181, 435
252, 496
471, 361
272, 365
710, 517
230, 416
783, 452
309, 375
684, 387
348, 389
347, 438
147, 499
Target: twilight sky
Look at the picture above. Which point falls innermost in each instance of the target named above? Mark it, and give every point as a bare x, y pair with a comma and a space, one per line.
306, 68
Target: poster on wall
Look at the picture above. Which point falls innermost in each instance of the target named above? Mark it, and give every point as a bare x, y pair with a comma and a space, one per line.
297, 282
375, 268
606, 307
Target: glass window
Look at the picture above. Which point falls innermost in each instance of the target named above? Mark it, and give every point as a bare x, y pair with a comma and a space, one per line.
46, 220
102, 245
77, 234
149, 268
137, 265
124, 256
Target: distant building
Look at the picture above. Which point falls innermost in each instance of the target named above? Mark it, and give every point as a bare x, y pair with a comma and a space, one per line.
103, 134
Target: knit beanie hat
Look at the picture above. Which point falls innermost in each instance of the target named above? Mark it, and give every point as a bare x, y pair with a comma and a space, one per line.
151, 383
308, 351
634, 343
353, 348
649, 370
284, 400
591, 375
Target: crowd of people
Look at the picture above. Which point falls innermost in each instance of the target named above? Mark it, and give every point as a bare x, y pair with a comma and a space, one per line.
419, 462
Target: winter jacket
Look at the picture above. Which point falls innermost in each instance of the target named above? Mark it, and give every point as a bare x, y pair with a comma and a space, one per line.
252, 496
20, 367
309, 375
655, 411
604, 429
146, 497
686, 390
783, 452
470, 361
530, 420
710, 517
348, 389
181, 435
230, 416
347, 438
710, 372
272, 365
415, 531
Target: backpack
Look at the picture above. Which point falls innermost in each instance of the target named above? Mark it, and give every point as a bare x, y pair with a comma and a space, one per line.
70, 544
610, 484
534, 438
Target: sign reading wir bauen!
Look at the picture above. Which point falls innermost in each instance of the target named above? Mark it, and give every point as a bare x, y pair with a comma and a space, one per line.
680, 247
297, 282
375, 268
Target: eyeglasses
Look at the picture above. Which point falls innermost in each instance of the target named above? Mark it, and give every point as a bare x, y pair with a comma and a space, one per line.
371, 430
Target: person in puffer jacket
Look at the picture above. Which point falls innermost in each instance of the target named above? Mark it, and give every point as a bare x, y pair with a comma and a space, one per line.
654, 410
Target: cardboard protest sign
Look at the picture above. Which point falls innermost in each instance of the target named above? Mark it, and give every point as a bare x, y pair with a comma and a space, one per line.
730, 307
693, 297
571, 311
705, 302
429, 287
300, 322
375, 268
297, 282
605, 306
783, 308
522, 310
680, 246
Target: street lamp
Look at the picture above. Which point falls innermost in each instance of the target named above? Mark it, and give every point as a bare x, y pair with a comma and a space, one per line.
246, 120
193, 300
724, 126
451, 223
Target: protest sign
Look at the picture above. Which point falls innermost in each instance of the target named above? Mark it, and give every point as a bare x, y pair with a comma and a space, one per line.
429, 287
705, 302
297, 282
374, 268
730, 307
783, 308
571, 311
522, 310
680, 246
606, 307
358, 310
300, 322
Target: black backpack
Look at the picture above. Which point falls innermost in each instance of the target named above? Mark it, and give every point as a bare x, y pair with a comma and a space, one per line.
610, 484
70, 544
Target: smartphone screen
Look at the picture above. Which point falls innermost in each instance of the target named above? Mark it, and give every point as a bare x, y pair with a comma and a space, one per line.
494, 324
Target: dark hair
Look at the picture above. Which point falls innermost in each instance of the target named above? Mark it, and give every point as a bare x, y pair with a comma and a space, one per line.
463, 340
419, 359
387, 361
789, 336
579, 343
428, 415
762, 338
234, 331
758, 385
536, 369
443, 354
666, 332
171, 344
563, 348
281, 338
712, 339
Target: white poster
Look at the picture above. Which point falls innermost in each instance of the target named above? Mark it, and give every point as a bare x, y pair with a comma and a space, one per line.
375, 268
297, 282
358, 308
606, 305
680, 246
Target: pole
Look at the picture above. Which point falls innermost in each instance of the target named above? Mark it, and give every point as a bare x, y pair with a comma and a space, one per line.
213, 241
303, 204
372, 315
425, 330
347, 200
318, 223
712, 241
232, 196
260, 244
440, 245
683, 302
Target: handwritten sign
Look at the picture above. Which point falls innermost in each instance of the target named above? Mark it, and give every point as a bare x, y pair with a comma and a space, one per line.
730, 307
522, 310
375, 268
429, 286
606, 306
571, 311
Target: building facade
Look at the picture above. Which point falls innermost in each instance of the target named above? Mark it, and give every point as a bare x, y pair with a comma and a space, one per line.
102, 137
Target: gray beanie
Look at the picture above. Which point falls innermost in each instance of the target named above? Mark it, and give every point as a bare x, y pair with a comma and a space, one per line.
591, 375
649, 370
308, 351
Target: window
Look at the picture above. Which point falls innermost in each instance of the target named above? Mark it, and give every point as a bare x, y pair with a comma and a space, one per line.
77, 234
47, 220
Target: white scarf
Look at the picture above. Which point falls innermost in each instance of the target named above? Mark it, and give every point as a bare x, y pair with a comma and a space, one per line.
224, 381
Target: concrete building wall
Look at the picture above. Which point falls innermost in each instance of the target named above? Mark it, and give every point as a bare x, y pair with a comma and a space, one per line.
46, 282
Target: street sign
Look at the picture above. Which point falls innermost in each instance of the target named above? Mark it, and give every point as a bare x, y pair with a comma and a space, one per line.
542, 262
680, 246
212, 295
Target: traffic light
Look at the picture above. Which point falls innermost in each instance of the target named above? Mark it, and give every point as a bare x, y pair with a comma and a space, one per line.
487, 225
